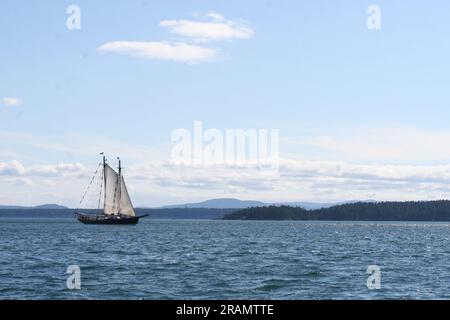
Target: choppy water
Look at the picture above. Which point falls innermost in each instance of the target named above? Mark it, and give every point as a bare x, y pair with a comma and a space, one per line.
199, 259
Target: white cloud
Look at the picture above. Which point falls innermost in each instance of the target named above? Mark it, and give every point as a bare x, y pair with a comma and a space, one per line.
57, 170
395, 164
12, 102
215, 16
21, 182
12, 168
299, 180
216, 28
219, 29
161, 50
15, 168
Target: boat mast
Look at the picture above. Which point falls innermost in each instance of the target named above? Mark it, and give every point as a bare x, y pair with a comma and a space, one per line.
119, 182
104, 179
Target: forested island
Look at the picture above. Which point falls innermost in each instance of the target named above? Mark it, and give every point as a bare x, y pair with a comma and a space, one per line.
358, 211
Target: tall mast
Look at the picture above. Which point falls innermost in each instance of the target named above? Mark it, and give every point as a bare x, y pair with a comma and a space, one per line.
119, 182
104, 179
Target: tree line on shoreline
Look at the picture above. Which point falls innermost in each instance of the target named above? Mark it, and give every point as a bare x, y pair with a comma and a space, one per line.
358, 211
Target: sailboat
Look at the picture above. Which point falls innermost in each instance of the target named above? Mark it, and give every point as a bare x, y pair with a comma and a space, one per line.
117, 206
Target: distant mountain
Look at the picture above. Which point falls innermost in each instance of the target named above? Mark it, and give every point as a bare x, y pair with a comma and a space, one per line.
229, 203
11, 207
224, 203
43, 206
50, 206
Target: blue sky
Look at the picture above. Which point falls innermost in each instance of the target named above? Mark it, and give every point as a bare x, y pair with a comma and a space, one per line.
372, 103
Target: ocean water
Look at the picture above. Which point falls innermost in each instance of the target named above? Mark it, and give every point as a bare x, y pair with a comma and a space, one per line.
200, 259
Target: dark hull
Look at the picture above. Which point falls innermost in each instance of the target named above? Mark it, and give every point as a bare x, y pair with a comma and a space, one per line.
89, 219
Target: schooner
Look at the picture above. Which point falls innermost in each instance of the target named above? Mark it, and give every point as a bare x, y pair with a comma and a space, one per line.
117, 206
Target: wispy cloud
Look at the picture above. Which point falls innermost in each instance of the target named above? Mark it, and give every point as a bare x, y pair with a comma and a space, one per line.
381, 144
12, 102
217, 29
211, 27
15, 168
12, 168
161, 50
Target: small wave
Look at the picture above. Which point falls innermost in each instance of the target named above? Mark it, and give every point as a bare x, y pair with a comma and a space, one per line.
313, 273
273, 284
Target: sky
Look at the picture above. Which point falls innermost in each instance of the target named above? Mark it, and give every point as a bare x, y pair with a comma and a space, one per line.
362, 113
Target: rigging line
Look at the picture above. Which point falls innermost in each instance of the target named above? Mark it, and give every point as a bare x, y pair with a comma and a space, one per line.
87, 189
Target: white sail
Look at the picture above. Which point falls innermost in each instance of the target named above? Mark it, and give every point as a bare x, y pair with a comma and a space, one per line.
111, 191
117, 199
126, 207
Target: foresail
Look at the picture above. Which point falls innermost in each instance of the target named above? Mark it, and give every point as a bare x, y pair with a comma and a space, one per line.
126, 207
111, 191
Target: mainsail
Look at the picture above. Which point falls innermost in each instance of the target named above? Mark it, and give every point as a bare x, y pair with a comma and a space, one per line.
117, 199
111, 178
